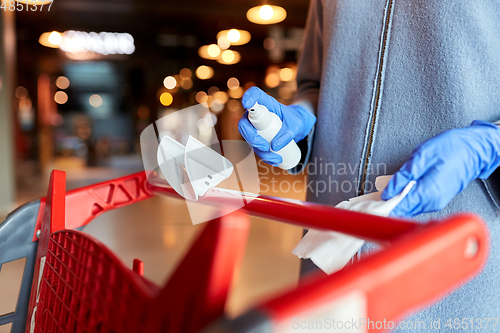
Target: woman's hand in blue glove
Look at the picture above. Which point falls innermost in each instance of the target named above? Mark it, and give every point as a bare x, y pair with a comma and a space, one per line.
297, 123
443, 166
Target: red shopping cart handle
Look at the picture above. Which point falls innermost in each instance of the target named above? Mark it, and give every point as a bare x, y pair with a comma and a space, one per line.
415, 271
86, 203
423, 261
89, 202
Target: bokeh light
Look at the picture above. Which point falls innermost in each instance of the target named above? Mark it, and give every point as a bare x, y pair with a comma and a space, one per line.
185, 73
166, 99
35, 2
209, 100
216, 105
21, 92
56, 119
204, 72
210, 52
143, 112
78, 43
229, 57
212, 90
233, 83
234, 105
223, 42
201, 97
266, 14
55, 38
286, 74
236, 93
170, 82
25, 104
213, 50
60, 97
186, 84
221, 96
95, 100
62, 82
269, 43
44, 40
234, 37
272, 80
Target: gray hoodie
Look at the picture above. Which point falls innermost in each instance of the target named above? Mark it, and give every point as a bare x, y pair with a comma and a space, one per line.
383, 76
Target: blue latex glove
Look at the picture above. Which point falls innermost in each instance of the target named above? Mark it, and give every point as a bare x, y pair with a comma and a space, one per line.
297, 123
443, 166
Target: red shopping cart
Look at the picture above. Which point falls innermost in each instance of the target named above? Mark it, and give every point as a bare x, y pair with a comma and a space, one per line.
73, 283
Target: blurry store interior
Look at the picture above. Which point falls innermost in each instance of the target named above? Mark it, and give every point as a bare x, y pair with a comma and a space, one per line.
81, 79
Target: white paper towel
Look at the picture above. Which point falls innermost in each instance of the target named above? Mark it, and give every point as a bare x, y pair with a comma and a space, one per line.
330, 250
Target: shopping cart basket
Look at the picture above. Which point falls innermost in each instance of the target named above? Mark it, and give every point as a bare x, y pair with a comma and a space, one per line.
73, 283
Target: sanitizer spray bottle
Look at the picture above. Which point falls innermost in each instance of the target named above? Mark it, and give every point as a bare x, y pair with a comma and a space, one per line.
268, 125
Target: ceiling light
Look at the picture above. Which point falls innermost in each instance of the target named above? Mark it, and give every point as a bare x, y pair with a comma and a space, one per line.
235, 36
211, 51
35, 2
105, 43
55, 38
266, 14
45, 39
229, 57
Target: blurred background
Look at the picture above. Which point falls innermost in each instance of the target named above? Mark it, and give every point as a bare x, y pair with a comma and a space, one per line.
80, 80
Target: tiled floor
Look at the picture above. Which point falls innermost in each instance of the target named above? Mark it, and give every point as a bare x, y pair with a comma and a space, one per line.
159, 232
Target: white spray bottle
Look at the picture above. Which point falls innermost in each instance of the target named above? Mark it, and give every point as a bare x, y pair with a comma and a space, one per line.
268, 125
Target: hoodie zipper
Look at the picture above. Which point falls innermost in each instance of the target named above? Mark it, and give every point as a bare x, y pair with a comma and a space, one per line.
366, 160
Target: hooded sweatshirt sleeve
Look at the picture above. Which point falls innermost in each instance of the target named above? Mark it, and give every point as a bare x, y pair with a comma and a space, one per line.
309, 74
